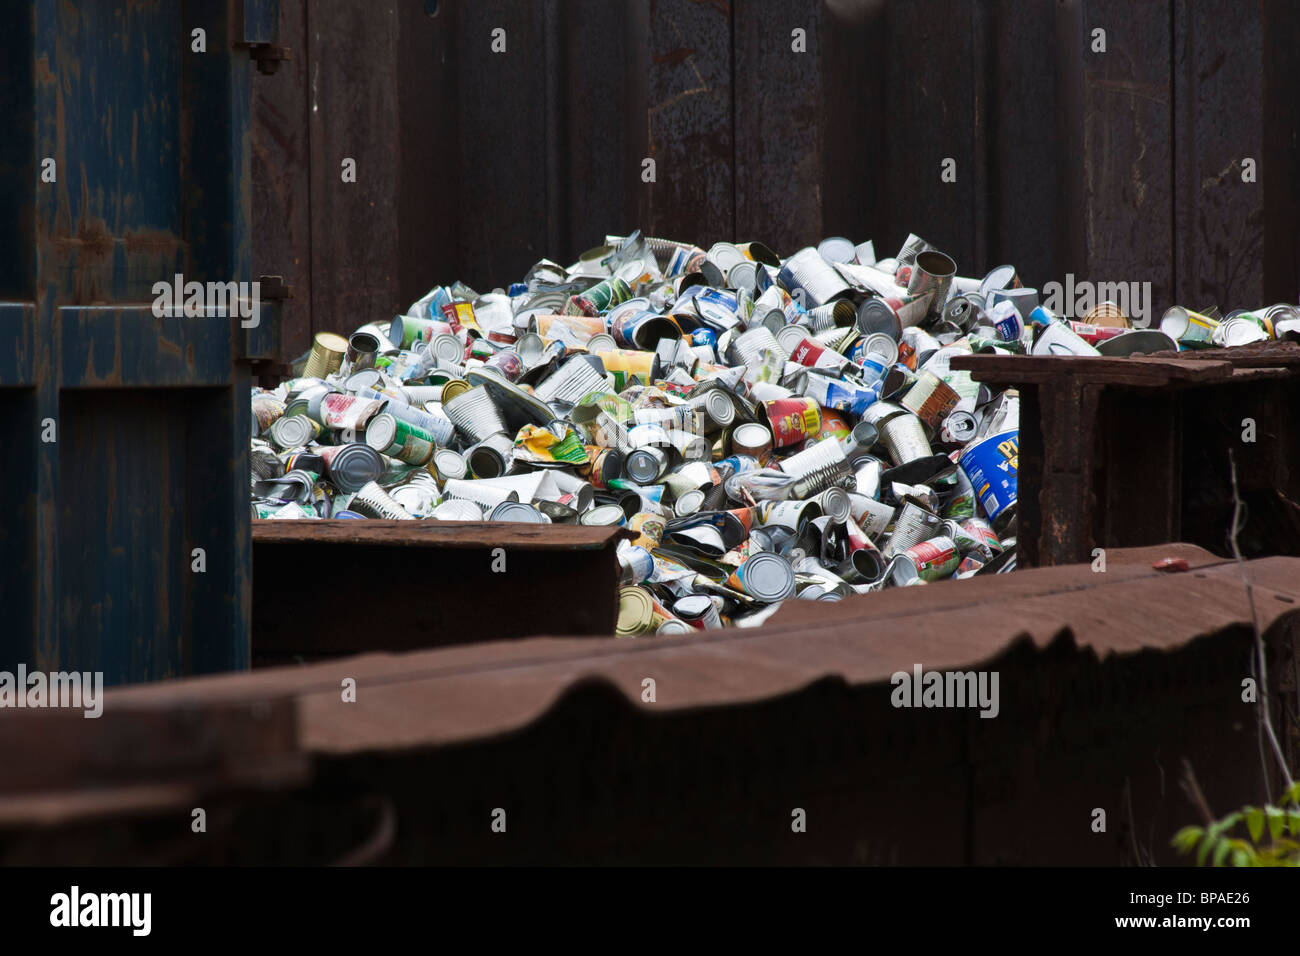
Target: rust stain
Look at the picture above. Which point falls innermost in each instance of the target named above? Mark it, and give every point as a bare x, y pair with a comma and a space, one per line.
151, 241
168, 347
44, 75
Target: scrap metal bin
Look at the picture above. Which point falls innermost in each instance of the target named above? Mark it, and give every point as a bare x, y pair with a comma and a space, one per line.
125, 163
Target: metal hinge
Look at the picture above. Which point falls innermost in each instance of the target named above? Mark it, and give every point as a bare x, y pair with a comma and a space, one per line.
268, 56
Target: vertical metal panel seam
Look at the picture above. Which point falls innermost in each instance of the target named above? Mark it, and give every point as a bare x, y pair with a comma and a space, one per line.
311, 204
735, 158
1174, 239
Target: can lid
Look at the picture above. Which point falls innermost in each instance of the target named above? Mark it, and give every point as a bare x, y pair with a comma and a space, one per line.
875, 315
689, 502
610, 465
518, 511
332, 342
603, 515
768, 577
742, 275
366, 378
635, 611
601, 342
674, 626
447, 350
294, 431
450, 464
999, 277
718, 406
790, 337
458, 509
354, 465
381, 431
644, 466
837, 249
750, 438
454, 387
725, 255
1240, 331
834, 503
883, 345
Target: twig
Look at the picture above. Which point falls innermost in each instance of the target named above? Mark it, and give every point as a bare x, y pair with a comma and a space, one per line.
1193, 790
1265, 716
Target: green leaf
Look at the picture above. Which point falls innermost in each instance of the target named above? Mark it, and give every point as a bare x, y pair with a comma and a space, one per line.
1255, 823
1185, 839
1277, 820
1207, 844
1240, 858
1221, 852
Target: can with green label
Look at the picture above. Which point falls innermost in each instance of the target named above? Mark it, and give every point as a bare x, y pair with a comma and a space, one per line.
404, 441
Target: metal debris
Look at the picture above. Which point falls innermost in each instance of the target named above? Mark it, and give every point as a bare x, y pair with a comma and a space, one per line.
765, 429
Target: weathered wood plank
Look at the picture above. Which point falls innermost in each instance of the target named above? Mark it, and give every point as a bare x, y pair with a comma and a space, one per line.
281, 186
1128, 225
1218, 111
779, 94
353, 115
689, 120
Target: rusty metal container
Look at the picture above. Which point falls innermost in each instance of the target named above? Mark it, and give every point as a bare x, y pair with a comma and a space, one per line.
125, 162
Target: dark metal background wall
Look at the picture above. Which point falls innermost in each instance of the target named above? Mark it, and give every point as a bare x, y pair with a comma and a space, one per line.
1117, 166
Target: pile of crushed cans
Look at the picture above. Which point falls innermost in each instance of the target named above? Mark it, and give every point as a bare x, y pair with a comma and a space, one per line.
764, 428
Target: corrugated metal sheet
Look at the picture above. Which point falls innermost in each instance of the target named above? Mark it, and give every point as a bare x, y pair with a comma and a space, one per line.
443, 696
1117, 677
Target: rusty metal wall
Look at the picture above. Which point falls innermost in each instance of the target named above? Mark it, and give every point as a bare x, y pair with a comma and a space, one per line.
125, 433
1123, 165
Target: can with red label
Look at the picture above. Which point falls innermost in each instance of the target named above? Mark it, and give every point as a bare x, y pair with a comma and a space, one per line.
1092, 334
929, 561
792, 419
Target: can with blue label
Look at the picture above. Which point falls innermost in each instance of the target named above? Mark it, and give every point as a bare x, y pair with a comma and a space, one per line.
705, 337
993, 465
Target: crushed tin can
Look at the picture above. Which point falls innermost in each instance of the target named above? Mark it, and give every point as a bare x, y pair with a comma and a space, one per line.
764, 428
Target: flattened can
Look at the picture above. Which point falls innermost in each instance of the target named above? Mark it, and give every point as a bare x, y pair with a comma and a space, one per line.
980, 530
930, 399
913, 524
792, 420
699, 611
992, 465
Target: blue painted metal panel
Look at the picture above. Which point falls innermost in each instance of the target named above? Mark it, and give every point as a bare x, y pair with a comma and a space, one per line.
132, 553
